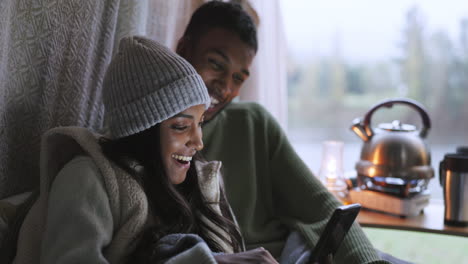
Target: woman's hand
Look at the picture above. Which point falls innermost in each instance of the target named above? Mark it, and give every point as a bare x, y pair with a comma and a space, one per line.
258, 255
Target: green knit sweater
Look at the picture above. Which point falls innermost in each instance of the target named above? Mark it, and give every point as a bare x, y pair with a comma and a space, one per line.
270, 188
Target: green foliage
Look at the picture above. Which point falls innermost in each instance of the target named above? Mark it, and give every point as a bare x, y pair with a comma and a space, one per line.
431, 68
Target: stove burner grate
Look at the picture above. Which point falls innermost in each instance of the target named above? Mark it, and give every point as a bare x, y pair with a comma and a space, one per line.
395, 186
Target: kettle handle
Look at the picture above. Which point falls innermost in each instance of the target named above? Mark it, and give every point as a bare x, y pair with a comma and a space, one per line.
389, 103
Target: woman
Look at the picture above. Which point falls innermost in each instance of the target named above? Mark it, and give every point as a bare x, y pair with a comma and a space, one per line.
140, 193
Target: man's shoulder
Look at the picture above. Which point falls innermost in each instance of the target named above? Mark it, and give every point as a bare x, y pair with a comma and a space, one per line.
246, 106
246, 116
243, 117
246, 109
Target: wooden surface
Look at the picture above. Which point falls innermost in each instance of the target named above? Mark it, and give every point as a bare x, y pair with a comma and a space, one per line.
432, 220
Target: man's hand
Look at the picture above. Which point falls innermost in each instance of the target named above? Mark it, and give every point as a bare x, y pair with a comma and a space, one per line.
258, 255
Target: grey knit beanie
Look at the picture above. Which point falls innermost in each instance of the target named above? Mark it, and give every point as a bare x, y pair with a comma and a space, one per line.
145, 84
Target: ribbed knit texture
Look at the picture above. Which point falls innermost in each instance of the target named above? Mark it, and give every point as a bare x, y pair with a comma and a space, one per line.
147, 83
270, 189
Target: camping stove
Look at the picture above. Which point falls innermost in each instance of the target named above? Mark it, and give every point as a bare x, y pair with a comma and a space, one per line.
391, 204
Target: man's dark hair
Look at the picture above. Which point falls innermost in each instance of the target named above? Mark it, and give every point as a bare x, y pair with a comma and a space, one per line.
229, 16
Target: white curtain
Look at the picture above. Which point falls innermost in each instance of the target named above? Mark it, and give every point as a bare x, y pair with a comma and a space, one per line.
267, 84
53, 56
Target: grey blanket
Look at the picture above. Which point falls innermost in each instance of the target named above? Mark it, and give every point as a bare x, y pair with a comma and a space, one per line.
183, 248
190, 248
297, 252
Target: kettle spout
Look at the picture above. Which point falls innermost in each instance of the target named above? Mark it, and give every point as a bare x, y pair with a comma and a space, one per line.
359, 129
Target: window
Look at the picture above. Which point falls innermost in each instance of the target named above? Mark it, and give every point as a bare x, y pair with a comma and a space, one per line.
346, 56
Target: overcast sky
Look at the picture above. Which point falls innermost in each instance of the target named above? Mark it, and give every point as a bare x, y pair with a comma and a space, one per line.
366, 29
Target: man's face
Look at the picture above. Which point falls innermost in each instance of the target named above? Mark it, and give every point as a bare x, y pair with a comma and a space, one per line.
223, 61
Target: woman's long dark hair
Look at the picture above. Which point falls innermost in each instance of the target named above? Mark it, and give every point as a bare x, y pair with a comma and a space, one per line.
177, 208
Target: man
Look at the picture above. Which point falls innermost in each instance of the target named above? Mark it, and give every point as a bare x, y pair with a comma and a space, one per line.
270, 189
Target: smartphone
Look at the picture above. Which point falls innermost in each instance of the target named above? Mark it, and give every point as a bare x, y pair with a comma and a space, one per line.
335, 231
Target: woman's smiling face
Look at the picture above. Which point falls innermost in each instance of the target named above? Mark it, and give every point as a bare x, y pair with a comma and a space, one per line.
181, 138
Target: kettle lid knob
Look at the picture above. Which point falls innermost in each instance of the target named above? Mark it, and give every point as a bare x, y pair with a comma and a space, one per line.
397, 126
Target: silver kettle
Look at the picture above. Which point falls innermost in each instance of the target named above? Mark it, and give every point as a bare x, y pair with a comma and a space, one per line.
394, 157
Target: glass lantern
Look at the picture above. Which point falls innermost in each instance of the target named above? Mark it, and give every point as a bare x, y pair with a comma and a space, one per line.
331, 172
